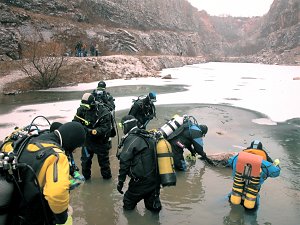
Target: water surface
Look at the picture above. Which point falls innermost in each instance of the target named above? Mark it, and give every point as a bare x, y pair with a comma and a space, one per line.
238, 103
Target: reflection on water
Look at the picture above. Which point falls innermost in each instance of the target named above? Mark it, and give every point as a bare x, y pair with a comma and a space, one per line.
238, 215
188, 197
200, 195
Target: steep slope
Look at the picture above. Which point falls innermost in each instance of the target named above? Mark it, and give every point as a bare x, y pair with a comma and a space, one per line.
150, 27
167, 27
276, 37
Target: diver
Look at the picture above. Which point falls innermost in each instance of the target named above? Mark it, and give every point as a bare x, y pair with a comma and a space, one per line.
96, 119
40, 174
138, 161
251, 167
188, 136
143, 109
104, 97
101, 95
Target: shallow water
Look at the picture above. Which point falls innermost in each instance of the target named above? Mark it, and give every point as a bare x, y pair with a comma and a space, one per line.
200, 194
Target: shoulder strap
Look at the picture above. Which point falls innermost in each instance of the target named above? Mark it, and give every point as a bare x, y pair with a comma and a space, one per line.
177, 131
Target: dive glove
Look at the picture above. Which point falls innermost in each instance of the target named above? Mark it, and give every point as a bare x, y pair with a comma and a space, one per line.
78, 176
209, 161
120, 186
74, 184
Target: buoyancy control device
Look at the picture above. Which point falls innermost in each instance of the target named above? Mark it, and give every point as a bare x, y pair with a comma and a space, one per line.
246, 180
10, 176
168, 128
165, 163
9, 166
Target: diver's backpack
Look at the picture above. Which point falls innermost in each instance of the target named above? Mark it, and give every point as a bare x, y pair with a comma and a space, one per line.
24, 199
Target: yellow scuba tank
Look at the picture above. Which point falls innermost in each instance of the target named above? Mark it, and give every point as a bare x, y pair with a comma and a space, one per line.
246, 179
172, 125
237, 189
251, 191
165, 163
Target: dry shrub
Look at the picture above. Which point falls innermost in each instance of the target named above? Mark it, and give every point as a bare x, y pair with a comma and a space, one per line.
42, 63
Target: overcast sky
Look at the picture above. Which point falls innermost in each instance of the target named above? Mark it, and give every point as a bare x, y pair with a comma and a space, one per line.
246, 8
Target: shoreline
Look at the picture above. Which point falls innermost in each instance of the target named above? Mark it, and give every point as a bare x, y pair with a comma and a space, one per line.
91, 69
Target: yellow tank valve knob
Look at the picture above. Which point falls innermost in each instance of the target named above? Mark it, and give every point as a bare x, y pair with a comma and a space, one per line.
94, 132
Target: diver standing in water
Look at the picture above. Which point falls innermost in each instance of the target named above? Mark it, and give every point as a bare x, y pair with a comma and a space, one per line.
251, 167
138, 161
96, 119
143, 109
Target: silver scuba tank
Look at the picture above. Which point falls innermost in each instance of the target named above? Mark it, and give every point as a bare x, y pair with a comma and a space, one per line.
172, 125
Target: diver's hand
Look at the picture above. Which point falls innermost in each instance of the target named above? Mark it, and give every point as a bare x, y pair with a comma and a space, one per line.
209, 161
74, 184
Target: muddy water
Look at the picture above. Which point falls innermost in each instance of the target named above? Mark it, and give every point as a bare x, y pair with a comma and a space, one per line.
200, 194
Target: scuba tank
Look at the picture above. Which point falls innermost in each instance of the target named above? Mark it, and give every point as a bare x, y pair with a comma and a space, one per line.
6, 188
237, 189
172, 125
165, 163
251, 191
246, 180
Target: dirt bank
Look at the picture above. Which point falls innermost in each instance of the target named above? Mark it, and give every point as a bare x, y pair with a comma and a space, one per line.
89, 69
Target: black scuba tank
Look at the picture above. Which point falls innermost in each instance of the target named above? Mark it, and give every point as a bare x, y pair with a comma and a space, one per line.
6, 192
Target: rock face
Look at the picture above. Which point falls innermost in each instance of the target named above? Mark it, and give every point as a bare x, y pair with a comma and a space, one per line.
153, 27
150, 27
271, 39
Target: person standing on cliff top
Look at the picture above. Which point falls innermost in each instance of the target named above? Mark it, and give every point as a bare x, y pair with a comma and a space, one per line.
143, 109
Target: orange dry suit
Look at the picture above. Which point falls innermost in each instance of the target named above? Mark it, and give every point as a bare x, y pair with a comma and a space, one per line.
251, 168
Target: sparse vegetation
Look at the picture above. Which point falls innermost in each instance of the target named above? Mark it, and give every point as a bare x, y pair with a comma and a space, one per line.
42, 63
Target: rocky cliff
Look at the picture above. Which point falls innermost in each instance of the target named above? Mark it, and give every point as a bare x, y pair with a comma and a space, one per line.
272, 39
146, 27
150, 27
